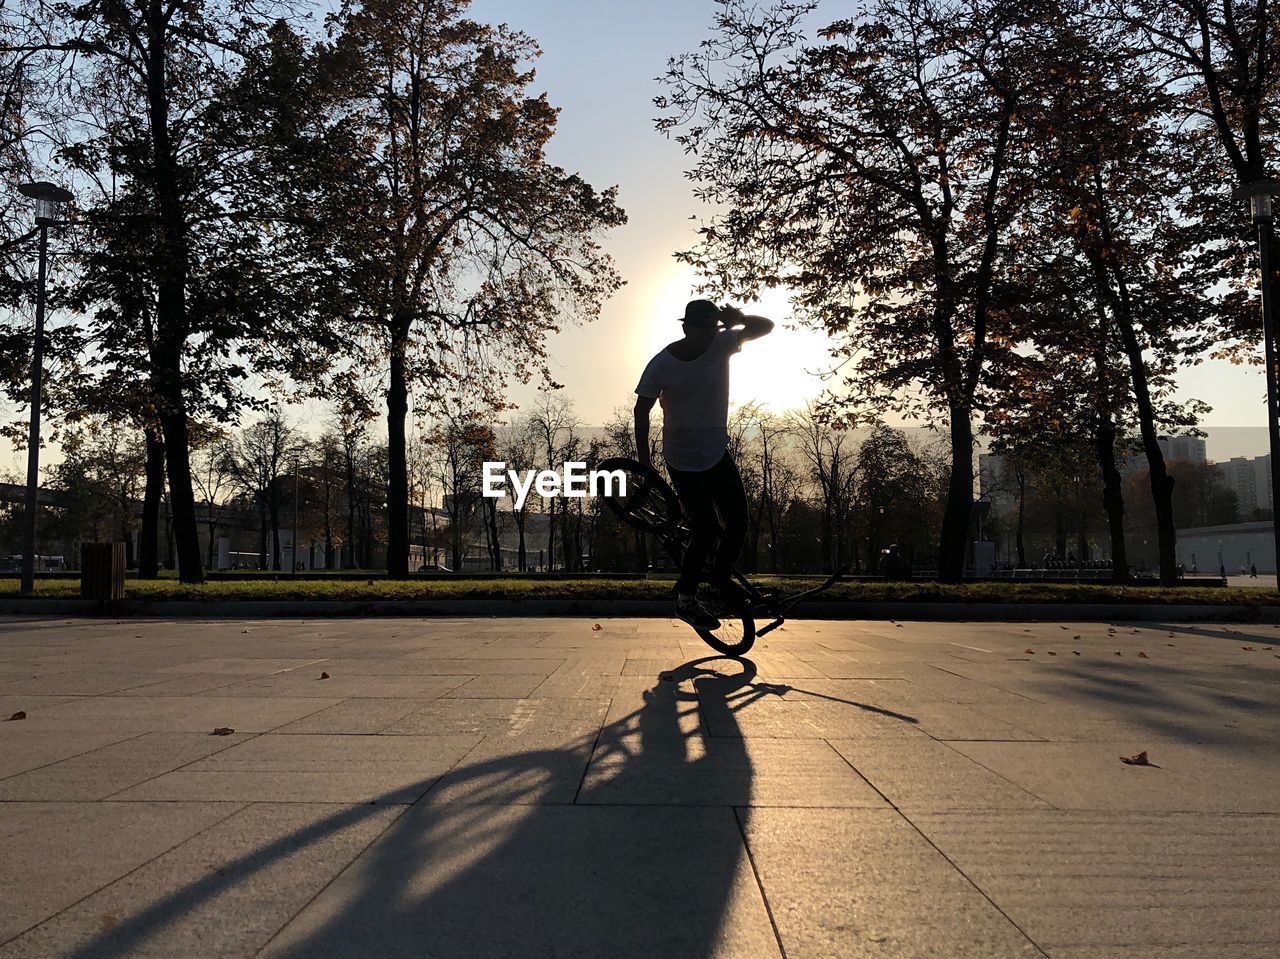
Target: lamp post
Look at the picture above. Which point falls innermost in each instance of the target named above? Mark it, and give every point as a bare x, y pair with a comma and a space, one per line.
47, 196
1259, 194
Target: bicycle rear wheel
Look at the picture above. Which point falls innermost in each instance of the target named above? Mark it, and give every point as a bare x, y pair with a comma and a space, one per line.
649, 503
736, 633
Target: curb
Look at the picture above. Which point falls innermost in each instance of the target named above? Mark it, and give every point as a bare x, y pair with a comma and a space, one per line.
937, 612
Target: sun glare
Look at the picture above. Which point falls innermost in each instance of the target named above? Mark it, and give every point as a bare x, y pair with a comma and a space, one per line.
781, 372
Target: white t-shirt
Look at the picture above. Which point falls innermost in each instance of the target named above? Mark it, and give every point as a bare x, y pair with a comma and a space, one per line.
695, 402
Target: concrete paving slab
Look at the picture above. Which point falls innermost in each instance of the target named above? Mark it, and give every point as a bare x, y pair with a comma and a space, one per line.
508, 686
564, 881
356, 716
242, 665
23, 745
222, 892
140, 714
724, 771
502, 717
862, 882
1114, 879
1091, 775
57, 853
340, 684
313, 768
112, 768
925, 774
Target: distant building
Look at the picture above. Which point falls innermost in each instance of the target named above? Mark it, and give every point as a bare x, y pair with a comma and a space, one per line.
1208, 549
1250, 477
1189, 448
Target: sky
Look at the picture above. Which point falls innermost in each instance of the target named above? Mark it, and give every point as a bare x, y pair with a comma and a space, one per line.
599, 65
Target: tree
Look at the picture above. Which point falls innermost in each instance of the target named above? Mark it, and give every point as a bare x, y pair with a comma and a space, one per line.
159, 130
455, 246
465, 441
260, 458
874, 172
518, 448
98, 481
213, 474
1107, 156
828, 452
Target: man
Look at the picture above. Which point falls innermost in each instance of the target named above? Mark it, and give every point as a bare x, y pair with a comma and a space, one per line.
691, 379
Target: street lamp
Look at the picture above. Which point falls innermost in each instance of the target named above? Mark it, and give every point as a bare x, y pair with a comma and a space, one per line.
1259, 194
47, 196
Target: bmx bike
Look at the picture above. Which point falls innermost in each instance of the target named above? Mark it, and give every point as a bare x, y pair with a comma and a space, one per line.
652, 506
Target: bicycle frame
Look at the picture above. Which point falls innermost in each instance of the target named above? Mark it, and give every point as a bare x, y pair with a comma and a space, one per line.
759, 602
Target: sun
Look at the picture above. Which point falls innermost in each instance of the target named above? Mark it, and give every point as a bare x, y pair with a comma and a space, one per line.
781, 372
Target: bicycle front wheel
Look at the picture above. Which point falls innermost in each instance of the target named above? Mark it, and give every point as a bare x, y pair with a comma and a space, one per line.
736, 633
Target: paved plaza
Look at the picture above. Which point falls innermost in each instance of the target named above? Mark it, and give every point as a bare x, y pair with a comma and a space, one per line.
542, 787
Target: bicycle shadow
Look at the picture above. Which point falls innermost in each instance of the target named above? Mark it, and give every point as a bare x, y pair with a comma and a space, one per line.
493, 861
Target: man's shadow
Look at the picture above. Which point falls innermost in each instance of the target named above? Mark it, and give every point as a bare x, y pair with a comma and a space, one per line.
532, 854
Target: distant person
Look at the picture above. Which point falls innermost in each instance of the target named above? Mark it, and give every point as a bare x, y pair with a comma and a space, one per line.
893, 565
1222, 570
1253, 570
691, 379
1244, 570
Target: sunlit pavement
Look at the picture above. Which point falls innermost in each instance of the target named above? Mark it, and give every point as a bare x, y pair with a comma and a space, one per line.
521, 787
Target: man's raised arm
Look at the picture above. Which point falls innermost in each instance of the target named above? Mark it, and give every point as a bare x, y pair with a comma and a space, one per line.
748, 327
643, 405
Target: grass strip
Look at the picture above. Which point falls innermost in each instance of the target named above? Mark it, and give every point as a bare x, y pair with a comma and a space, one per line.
304, 590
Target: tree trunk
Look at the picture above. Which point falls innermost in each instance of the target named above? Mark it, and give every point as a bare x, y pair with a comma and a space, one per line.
1022, 510
149, 535
551, 535
1161, 481
397, 458
1113, 500
955, 519
182, 501
1105, 270
275, 537
171, 319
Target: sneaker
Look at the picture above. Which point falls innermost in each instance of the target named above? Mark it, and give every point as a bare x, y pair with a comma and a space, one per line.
690, 610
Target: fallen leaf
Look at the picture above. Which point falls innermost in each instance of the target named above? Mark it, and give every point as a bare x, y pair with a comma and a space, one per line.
1077, 636
1142, 655
1076, 651
324, 675
1139, 760
1118, 653
597, 626
1052, 653
20, 714
1032, 651
1247, 649
1062, 627
222, 731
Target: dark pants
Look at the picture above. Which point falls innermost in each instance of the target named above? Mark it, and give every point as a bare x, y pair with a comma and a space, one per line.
703, 495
